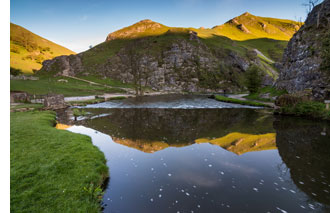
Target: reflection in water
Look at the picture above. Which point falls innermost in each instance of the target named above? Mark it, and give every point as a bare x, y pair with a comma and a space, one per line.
187, 171
304, 147
239, 143
151, 130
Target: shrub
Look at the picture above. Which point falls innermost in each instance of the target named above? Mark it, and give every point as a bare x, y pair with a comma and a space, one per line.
15, 72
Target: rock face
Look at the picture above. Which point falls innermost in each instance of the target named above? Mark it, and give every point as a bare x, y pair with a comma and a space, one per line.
303, 56
64, 65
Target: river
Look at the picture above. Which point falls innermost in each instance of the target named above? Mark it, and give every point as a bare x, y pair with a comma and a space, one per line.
176, 153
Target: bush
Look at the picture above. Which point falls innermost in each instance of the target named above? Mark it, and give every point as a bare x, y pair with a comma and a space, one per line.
307, 109
253, 79
15, 72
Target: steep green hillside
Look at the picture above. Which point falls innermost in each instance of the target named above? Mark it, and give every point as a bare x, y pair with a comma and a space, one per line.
28, 50
149, 54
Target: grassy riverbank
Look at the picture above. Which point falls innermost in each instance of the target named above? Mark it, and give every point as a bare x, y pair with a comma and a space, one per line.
309, 109
237, 101
52, 170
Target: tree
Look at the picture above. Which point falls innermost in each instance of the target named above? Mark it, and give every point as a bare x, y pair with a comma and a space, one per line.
310, 4
253, 79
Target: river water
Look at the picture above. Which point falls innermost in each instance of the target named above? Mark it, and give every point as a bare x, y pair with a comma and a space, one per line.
194, 154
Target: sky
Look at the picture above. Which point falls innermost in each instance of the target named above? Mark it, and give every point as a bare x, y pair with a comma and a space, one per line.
77, 24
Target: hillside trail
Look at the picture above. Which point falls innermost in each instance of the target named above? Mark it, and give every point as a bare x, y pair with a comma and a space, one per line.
127, 90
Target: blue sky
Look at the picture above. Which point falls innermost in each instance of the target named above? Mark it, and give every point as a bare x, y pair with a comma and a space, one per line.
76, 24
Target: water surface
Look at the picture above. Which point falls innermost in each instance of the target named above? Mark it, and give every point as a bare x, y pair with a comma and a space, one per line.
193, 159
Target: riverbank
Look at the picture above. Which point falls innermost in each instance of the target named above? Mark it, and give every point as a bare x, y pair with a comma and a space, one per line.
241, 101
53, 170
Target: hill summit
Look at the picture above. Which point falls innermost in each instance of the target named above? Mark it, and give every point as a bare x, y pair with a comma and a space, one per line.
151, 55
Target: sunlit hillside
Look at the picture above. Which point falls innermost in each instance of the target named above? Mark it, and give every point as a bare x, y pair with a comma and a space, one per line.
28, 50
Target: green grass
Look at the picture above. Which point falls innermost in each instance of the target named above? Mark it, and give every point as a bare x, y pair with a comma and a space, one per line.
48, 84
242, 102
273, 92
28, 50
311, 109
52, 170
20, 106
107, 81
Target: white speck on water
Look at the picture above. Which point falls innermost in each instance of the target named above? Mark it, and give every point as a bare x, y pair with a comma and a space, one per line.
302, 206
161, 159
159, 195
276, 189
205, 159
292, 191
261, 183
313, 180
283, 188
131, 158
255, 189
210, 165
222, 173
169, 174
234, 187
187, 194
276, 183
108, 198
311, 206
283, 211
160, 189
176, 201
152, 200
326, 191
228, 206
198, 206
297, 157
300, 182
152, 169
314, 194
262, 180
194, 186
165, 164
182, 190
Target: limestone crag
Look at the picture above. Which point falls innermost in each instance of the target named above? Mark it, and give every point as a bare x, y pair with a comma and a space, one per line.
302, 58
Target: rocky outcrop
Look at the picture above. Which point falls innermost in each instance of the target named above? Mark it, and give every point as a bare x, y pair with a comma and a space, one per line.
302, 58
64, 65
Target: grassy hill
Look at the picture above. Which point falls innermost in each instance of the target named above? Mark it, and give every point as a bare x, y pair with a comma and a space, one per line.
268, 35
248, 26
28, 50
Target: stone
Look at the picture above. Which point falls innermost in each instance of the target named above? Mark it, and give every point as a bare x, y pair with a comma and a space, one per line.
19, 97
54, 101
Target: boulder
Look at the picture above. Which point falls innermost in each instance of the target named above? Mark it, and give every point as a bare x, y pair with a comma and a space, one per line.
54, 101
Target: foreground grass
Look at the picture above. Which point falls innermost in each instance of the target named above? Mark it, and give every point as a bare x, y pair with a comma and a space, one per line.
48, 84
52, 170
237, 101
